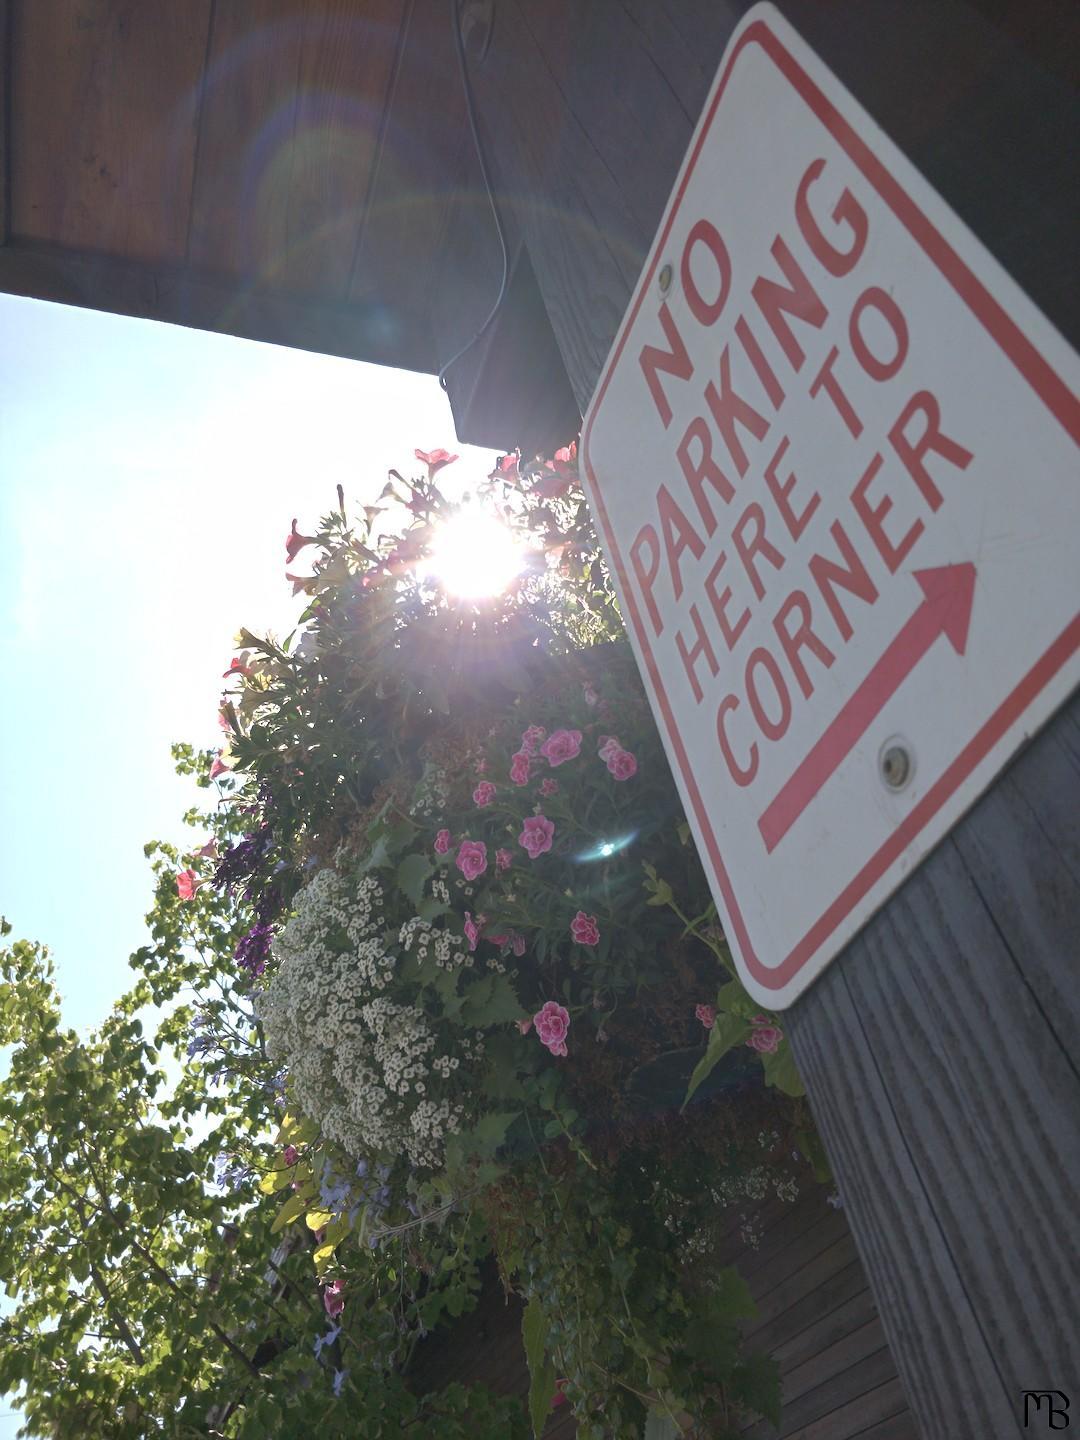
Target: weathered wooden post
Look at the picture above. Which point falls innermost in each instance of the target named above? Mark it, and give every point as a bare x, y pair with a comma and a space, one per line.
833, 454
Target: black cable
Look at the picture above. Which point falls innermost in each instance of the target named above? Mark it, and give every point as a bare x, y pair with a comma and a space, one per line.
470, 107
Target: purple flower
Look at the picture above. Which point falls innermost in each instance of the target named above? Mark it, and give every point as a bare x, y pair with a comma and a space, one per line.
244, 858
328, 1339
340, 1377
254, 949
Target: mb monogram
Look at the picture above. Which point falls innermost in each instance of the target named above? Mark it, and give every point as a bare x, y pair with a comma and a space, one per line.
1046, 1409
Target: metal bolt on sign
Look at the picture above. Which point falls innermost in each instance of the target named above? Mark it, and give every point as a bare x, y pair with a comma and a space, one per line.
896, 764
665, 277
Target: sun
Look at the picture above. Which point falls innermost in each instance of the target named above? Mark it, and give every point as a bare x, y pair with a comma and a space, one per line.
474, 555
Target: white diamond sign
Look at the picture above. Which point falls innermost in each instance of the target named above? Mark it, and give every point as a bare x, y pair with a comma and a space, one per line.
834, 459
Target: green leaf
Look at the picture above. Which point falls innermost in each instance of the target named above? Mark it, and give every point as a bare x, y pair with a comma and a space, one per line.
541, 1369
491, 1001
293, 1208
663, 896
430, 909
411, 874
728, 1032
780, 1071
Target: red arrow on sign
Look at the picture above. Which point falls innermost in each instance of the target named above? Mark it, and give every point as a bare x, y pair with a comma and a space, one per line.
946, 610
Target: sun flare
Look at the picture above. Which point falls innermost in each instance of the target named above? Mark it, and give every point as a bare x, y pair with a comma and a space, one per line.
474, 555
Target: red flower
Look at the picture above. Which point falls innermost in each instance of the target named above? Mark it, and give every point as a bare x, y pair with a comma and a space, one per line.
290, 1155
622, 764
218, 768
295, 542
519, 768
560, 746
471, 859
442, 842
706, 1014
552, 1021
584, 929
562, 472
764, 1038
239, 665
531, 738
187, 882
536, 835
507, 467
472, 930
435, 460
333, 1300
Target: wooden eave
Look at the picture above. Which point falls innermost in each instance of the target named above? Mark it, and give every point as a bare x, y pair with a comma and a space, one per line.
283, 170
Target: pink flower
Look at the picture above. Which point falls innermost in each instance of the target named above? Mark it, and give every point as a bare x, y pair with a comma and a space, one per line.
187, 882
706, 1014
295, 542
552, 1021
507, 467
536, 835
560, 746
333, 1300
530, 740
481, 766
524, 1026
435, 460
498, 939
218, 768
517, 944
503, 859
472, 930
609, 744
549, 786
591, 697
471, 858
484, 793
622, 764
584, 929
562, 472
290, 1154
764, 1037
442, 842
519, 768
208, 852
552, 485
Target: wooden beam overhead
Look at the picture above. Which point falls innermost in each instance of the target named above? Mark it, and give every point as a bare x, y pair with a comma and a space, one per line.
367, 330
104, 99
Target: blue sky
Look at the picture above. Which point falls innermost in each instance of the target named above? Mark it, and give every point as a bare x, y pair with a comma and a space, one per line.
148, 475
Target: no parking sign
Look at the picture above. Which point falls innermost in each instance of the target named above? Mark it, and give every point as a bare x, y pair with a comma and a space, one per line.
834, 458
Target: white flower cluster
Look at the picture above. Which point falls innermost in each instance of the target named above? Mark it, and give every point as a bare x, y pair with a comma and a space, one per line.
360, 1061
432, 793
421, 935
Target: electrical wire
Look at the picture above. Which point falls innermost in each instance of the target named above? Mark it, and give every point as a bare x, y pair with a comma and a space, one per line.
470, 108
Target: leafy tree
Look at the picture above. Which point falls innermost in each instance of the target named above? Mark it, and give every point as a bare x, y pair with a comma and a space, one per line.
150, 1299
